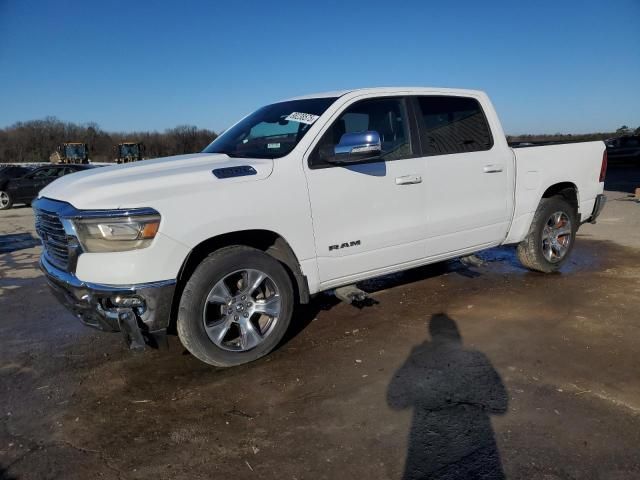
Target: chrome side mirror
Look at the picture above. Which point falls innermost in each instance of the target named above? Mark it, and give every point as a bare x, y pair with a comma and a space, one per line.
357, 147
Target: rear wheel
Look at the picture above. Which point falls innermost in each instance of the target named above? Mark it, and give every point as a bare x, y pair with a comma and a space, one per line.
551, 236
236, 307
6, 202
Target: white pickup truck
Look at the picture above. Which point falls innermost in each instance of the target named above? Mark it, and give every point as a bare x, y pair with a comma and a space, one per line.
302, 196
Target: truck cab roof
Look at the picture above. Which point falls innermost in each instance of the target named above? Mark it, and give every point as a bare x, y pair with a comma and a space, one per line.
391, 91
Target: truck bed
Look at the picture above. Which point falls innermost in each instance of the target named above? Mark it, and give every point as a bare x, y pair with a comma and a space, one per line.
537, 167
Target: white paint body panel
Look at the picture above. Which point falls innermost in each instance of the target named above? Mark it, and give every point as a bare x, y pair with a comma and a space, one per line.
538, 168
457, 209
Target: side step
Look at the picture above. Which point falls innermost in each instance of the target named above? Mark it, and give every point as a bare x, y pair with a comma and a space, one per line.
351, 294
472, 261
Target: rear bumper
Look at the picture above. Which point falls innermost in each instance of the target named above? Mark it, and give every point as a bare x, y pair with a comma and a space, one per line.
109, 307
599, 204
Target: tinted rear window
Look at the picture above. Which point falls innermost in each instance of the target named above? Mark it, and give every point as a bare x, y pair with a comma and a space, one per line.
453, 125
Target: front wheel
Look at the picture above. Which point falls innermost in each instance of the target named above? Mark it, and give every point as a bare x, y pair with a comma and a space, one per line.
6, 202
236, 307
551, 236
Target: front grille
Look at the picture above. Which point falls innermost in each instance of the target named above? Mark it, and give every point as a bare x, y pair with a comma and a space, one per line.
54, 238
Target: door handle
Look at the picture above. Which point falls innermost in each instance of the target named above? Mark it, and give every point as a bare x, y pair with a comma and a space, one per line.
492, 168
408, 179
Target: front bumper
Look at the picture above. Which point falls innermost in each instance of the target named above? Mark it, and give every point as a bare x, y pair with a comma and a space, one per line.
104, 306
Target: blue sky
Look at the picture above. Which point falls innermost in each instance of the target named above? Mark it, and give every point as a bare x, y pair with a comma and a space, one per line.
549, 66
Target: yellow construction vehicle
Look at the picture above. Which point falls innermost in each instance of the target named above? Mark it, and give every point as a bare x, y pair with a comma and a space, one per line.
128, 152
71, 152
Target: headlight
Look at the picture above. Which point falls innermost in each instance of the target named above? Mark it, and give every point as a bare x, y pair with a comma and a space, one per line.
116, 234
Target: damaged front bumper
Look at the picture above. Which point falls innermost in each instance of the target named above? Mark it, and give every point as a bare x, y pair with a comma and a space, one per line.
141, 312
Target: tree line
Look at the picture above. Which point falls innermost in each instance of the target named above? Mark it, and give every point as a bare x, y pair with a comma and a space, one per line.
576, 137
36, 140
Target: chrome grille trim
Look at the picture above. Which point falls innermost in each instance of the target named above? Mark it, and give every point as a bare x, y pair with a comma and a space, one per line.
53, 237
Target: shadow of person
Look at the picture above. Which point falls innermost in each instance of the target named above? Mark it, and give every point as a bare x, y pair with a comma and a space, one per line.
4, 474
453, 391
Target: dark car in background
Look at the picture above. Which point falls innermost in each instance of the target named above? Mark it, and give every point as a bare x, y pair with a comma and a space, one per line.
13, 171
25, 187
623, 148
7, 172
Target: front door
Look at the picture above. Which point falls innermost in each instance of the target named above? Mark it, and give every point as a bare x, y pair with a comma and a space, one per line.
367, 217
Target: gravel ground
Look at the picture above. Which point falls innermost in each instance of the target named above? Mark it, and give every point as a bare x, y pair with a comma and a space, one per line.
454, 372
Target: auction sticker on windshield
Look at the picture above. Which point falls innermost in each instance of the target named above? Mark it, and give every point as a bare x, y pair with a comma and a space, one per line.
307, 118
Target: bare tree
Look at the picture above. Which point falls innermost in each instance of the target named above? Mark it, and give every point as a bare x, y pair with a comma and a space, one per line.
35, 140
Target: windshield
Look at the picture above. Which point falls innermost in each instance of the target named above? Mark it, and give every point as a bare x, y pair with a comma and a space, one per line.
272, 131
130, 150
74, 151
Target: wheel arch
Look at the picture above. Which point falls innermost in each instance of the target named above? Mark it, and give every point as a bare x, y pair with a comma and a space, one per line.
529, 201
267, 241
567, 190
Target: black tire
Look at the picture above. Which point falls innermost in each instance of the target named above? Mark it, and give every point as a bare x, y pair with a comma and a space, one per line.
6, 206
530, 250
215, 267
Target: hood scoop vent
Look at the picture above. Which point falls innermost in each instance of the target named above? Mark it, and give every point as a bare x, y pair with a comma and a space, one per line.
231, 172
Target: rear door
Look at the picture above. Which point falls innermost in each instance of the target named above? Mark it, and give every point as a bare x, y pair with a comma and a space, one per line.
367, 217
468, 177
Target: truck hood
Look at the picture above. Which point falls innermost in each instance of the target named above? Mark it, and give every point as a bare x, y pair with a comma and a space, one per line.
138, 184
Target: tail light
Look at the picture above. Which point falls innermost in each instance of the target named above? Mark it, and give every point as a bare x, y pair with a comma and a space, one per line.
603, 168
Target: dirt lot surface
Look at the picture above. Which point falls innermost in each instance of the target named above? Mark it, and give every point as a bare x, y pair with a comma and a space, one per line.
455, 372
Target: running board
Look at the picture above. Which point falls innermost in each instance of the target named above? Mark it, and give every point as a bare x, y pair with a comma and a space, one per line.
472, 261
350, 294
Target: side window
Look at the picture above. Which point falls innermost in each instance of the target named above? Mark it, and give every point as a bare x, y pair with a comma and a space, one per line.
387, 116
452, 125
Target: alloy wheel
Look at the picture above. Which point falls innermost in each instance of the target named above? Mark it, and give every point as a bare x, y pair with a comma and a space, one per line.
556, 237
241, 310
4, 199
